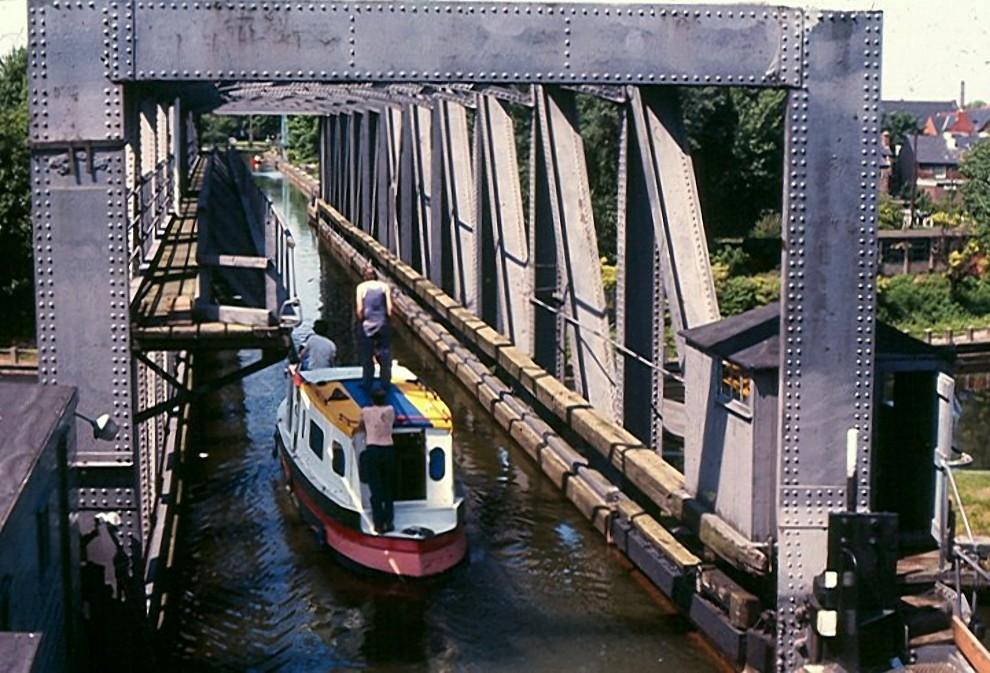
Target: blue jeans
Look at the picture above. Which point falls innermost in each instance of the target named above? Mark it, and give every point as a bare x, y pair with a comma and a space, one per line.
380, 345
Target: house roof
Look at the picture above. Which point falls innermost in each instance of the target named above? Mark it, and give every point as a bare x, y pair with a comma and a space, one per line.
935, 150
920, 109
29, 414
965, 122
752, 340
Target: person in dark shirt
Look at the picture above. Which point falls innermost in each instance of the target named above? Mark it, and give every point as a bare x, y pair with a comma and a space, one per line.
373, 308
318, 351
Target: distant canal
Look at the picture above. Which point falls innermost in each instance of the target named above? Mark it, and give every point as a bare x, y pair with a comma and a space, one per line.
256, 592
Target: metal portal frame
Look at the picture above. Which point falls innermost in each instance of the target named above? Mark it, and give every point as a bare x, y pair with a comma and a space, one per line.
91, 63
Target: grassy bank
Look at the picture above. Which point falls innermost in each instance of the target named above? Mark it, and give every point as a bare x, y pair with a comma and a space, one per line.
974, 489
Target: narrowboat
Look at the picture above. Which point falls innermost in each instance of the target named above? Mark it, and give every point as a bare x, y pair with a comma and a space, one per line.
319, 448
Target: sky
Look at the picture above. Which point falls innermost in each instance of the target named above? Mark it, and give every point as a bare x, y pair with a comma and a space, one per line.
929, 47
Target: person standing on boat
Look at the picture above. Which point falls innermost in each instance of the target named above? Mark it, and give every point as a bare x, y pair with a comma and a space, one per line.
377, 462
373, 309
318, 351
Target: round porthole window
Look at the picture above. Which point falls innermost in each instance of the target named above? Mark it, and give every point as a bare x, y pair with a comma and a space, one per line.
438, 464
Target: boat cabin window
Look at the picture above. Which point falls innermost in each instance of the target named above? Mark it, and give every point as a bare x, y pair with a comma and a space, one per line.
438, 463
316, 439
338, 460
410, 461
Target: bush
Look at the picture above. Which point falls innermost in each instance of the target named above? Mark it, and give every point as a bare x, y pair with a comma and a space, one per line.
917, 299
731, 256
737, 294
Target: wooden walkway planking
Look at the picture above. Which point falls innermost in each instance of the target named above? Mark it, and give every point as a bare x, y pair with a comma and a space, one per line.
162, 315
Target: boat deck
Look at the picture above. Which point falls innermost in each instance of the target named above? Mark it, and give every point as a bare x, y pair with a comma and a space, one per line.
339, 395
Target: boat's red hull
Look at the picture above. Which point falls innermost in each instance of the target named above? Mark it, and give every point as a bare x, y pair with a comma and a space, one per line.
395, 556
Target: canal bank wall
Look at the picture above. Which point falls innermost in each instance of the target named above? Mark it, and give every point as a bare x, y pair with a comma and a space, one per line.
722, 609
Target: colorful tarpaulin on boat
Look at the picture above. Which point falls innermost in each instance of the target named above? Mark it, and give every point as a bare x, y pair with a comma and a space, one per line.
407, 414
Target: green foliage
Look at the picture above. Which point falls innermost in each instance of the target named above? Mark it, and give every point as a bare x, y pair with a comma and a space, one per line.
217, 130
890, 212
737, 294
730, 256
933, 301
736, 139
16, 289
600, 131
975, 167
304, 140
768, 226
899, 125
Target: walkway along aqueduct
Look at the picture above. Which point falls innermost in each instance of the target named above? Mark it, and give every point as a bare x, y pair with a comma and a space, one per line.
417, 150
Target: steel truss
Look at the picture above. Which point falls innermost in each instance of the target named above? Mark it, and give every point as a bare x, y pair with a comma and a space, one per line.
92, 64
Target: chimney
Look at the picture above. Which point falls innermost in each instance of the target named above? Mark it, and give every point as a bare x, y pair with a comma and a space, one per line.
962, 95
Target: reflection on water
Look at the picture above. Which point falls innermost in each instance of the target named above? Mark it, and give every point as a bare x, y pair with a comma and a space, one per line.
541, 590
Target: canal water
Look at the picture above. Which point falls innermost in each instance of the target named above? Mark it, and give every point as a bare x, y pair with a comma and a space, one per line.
255, 591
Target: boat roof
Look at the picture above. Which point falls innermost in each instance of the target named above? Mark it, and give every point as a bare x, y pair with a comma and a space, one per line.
339, 394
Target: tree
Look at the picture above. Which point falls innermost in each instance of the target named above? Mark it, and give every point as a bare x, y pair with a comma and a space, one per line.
975, 167
304, 139
217, 130
16, 287
736, 138
891, 213
600, 131
900, 126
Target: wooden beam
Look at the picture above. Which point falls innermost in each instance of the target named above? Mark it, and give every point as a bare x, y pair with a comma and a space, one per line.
970, 646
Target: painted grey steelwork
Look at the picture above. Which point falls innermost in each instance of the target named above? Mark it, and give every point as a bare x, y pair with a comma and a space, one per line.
39, 558
90, 64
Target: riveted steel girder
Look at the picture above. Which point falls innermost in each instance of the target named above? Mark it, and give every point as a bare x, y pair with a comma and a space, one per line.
453, 231
832, 164
507, 281
639, 298
414, 187
389, 146
469, 42
564, 199
671, 197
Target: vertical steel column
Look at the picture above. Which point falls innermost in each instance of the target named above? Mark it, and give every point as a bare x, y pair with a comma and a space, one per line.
324, 151
453, 235
639, 300
672, 198
389, 136
358, 160
353, 154
564, 205
506, 275
414, 187
79, 217
369, 144
181, 140
832, 152
406, 178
